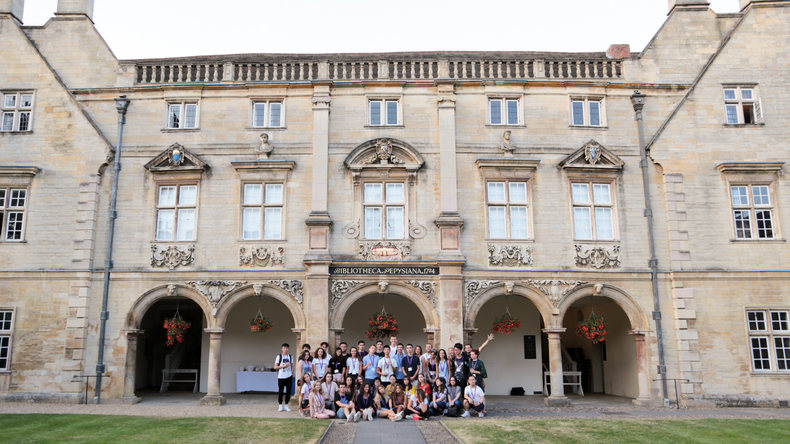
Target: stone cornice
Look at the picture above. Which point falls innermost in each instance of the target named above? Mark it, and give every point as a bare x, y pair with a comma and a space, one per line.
750, 167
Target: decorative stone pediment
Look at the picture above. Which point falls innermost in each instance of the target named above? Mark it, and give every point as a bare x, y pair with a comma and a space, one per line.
382, 156
555, 290
592, 157
176, 158
597, 256
214, 291
509, 255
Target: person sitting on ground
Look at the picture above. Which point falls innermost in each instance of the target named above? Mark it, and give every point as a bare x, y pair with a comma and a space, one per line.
328, 390
344, 405
418, 407
393, 384
408, 387
318, 408
398, 401
439, 403
383, 403
304, 394
351, 389
454, 394
365, 402
474, 398
422, 384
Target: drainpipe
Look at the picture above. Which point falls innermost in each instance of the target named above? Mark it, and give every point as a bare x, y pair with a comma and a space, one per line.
121, 105
638, 101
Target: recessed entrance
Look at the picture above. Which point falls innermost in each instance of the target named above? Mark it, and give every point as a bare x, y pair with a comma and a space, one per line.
411, 321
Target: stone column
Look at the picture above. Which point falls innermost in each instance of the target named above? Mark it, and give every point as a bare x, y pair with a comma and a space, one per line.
131, 365
213, 397
319, 222
557, 397
451, 304
643, 376
449, 221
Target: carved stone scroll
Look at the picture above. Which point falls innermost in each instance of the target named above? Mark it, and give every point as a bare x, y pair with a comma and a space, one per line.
339, 289
172, 256
428, 288
509, 255
416, 231
473, 289
294, 287
598, 257
351, 231
262, 256
384, 250
552, 288
214, 291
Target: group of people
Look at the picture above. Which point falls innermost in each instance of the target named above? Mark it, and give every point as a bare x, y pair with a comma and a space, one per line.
386, 381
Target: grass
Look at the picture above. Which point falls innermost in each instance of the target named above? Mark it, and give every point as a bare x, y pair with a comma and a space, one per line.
89, 429
656, 431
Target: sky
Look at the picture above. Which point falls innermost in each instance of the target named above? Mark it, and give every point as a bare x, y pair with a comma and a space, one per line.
169, 28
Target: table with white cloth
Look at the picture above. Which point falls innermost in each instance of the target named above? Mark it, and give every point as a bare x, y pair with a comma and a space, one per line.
256, 382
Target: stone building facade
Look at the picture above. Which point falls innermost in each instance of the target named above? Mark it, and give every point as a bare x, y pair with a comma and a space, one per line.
449, 188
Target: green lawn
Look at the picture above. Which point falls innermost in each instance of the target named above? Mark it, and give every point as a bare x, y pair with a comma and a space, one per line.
86, 429
654, 431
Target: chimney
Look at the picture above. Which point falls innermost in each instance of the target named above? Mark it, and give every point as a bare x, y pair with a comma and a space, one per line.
75, 7
745, 3
673, 3
618, 51
14, 8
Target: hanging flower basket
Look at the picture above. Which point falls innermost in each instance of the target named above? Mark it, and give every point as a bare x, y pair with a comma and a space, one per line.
176, 327
259, 324
381, 325
593, 328
506, 324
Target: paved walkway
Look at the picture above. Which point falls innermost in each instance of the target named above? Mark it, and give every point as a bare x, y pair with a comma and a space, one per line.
384, 431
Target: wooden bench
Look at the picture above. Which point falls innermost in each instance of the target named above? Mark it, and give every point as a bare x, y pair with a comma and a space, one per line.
576, 382
165, 372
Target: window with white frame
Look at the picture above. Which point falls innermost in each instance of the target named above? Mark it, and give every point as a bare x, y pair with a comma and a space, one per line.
6, 327
262, 211
742, 106
508, 208
383, 112
267, 114
587, 112
384, 208
769, 339
13, 206
593, 211
17, 112
503, 111
182, 115
753, 212
176, 212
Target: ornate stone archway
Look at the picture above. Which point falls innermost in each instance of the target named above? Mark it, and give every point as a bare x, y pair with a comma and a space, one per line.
134, 320
290, 293
477, 293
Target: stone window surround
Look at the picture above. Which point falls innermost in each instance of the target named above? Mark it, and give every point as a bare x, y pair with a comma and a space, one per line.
587, 98
767, 333
759, 116
17, 109
398, 97
506, 170
181, 101
263, 172
407, 192
10, 335
505, 97
17, 177
591, 181
752, 173
160, 182
268, 100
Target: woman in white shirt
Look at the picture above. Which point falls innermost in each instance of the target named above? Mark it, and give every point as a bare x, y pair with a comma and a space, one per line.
328, 390
304, 394
353, 364
318, 405
320, 364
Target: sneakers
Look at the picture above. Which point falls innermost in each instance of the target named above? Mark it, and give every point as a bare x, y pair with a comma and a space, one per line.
280, 409
399, 416
370, 415
357, 416
465, 415
286, 408
480, 415
350, 418
444, 412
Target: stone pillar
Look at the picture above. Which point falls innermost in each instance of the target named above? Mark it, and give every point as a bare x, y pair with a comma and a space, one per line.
319, 222
557, 397
449, 221
213, 397
316, 302
14, 8
75, 7
643, 375
335, 338
131, 366
451, 304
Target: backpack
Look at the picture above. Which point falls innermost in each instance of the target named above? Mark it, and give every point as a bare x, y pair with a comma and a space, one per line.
452, 412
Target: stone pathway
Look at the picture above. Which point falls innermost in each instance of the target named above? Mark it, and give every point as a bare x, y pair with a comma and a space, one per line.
383, 431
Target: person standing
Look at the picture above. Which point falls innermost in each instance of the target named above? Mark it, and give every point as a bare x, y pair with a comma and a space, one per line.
362, 349
369, 364
284, 365
458, 365
320, 364
443, 365
337, 365
474, 398
410, 364
354, 364
386, 367
477, 368
398, 355
380, 348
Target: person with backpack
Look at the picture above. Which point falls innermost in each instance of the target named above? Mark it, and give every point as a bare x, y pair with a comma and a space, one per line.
284, 366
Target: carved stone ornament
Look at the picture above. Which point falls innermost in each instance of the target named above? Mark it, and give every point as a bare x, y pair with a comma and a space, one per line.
506, 145
294, 287
172, 290
383, 154
416, 231
214, 291
598, 289
509, 287
509, 255
473, 289
351, 231
598, 257
552, 288
258, 289
176, 154
265, 148
172, 256
262, 256
428, 288
339, 289
383, 286
592, 152
384, 250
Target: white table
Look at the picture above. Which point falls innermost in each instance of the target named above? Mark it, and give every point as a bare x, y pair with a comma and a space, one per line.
256, 382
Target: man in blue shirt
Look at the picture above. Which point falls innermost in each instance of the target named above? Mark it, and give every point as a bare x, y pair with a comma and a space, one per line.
399, 355
369, 363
